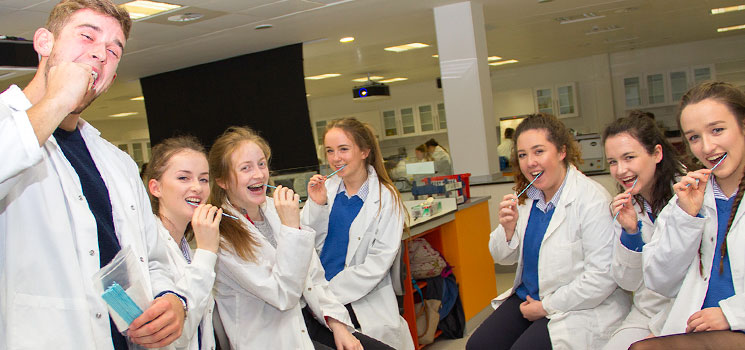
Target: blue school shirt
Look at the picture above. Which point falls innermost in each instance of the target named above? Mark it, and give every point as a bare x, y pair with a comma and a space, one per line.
720, 284
634, 241
343, 212
540, 217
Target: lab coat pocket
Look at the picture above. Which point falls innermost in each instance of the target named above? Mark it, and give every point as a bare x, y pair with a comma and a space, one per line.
29, 313
563, 258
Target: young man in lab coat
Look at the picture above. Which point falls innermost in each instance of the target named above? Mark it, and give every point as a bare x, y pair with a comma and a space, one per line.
69, 200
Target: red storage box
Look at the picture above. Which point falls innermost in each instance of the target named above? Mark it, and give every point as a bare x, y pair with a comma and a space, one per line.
457, 177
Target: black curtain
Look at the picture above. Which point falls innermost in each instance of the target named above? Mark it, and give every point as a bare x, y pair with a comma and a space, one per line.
263, 90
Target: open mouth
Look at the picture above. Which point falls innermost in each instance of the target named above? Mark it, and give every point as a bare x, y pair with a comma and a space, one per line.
256, 188
535, 174
95, 78
716, 158
628, 181
195, 201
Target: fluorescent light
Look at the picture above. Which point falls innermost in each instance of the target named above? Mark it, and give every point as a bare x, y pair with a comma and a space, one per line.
494, 58
393, 80
598, 30
141, 9
435, 56
138, 98
119, 115
323, 76
503, 62
727, 9
347, 39
364, 79
727, 29
406, 47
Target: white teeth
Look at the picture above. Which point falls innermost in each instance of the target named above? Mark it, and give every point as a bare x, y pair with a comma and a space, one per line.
194, 200
256, 186
95, 76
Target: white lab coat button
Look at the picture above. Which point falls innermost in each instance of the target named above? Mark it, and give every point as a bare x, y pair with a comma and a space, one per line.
142, 259
98, 315
80, 197
92, 252
712, 239
169, 238
359, 238
302, 331
309, 289
132, 207
706, 279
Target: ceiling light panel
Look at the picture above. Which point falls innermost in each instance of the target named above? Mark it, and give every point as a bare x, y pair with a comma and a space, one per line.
142, 9
323, 76
494, 58
364, 79
119, 115
727, 29
721, 10
393, 80
499, 63
578, 18
347, 39
406, 47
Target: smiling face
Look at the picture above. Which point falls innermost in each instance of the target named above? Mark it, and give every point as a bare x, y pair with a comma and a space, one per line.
342, 150
184, 182
536, 154
249, 174
91, 38
628, 161
711, 131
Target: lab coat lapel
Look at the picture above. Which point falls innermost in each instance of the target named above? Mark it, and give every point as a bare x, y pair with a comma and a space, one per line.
567, 197
365, 217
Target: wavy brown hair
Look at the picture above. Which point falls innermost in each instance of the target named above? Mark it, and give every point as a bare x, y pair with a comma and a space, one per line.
363, 136
235, 234
643, 129
557, 134
734, 99
62, 12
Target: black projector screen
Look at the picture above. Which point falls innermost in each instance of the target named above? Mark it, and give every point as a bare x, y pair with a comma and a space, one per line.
263, 90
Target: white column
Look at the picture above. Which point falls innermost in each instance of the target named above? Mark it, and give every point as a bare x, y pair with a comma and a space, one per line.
461, 42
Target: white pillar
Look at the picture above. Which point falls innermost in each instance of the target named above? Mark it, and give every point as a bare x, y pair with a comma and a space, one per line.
472, 133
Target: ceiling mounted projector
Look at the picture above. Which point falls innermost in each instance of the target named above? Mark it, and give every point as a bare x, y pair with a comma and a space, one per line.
371, 91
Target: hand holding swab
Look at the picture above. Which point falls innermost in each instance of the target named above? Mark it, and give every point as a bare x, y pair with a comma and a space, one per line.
224, 214
712, 168
630, 189
332, 174
527, 187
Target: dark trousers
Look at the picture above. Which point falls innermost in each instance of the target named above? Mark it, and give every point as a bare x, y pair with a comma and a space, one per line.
712, 340
323, 338
506, 328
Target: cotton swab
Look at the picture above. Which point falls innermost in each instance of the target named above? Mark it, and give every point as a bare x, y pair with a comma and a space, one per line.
527, 187
224, 214
332, 174
712, 168
631, 189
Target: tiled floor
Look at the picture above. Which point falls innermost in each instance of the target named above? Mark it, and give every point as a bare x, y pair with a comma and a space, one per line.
504, 282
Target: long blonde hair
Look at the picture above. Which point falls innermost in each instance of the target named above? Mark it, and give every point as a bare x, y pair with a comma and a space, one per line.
235, 235
363, 136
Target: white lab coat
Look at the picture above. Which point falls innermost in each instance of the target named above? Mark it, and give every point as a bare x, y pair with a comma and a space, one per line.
649, 309
374, 241
441, 154
196, 280
671, 261
49, 240
583, 302
261, 302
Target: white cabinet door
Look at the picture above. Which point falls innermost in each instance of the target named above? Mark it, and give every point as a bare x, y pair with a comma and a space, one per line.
390, 124
441, 116
426, 119
408, 125
632, 89
655, 89
678, 84
559, 100
544, 100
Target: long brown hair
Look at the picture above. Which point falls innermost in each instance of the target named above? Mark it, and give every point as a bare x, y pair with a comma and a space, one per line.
62, 12
236, 236
734, 99
363, 136
642, 128
558, 135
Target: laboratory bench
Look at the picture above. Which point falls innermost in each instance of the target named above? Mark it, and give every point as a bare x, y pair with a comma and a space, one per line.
461, 234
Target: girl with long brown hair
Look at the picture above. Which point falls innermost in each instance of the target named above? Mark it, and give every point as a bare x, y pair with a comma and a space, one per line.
561, 238
358, 217
270, 286
177, 179
696, 255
